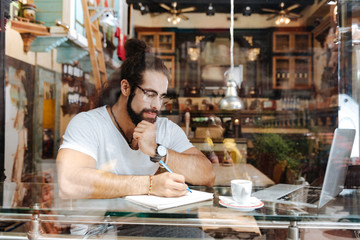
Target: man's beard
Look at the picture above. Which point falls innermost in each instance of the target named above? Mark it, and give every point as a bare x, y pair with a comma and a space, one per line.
138, 117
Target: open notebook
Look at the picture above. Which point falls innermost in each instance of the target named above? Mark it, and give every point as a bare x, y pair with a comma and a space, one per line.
160, 203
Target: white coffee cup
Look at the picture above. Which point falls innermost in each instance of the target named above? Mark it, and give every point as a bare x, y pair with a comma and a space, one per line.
241, 190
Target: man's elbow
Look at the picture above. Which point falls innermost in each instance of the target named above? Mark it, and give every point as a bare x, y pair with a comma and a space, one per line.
65, 190
210, 179
63, 194
208, 176
68, 188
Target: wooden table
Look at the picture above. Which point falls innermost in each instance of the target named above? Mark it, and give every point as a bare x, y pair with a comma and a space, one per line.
225, 173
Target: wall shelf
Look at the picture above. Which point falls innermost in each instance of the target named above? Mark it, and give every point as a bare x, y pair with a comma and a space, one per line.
29, 31
287, 119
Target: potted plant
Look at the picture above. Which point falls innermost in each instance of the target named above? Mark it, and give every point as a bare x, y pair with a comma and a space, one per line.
277, 157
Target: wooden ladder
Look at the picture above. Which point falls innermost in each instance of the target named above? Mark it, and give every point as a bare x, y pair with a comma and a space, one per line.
95, 50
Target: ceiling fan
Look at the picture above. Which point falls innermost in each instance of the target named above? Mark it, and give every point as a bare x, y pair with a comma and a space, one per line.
284, 16
176, 14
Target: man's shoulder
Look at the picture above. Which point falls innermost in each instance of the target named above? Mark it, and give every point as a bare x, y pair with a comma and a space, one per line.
166, 124
91, 115
93, 112
164, 121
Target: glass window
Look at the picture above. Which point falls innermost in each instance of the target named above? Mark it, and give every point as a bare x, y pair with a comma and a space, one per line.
266, 93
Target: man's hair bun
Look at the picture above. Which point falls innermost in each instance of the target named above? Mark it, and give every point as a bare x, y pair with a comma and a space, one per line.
134, 47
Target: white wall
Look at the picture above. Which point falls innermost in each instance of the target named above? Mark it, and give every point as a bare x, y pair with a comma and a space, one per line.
14, 48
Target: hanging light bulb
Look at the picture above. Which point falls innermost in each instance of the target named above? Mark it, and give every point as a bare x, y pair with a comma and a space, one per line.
174, 19
282, 19
231, 101
210, 11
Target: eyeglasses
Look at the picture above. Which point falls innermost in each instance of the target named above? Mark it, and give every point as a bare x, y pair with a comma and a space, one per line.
151, 95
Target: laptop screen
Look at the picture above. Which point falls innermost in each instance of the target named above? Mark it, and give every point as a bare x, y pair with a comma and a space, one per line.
337, 164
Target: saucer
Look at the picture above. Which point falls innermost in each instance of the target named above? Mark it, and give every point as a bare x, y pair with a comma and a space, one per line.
252, 204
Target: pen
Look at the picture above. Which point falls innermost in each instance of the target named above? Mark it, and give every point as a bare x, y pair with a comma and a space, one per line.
169, 170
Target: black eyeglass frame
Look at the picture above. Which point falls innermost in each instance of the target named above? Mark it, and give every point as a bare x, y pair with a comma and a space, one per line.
152, 93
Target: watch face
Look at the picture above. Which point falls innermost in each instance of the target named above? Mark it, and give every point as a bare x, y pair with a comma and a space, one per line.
162, 151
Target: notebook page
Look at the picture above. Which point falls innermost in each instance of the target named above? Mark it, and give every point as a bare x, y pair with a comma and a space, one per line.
160, 203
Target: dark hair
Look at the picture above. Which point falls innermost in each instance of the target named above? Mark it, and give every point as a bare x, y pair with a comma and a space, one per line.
138, 59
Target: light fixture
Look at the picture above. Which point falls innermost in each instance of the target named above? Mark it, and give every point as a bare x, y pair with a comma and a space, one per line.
174, 19
143, 9
247, 11
210, 11
252, 54
231, 101
332, 2
282, 20
194, 53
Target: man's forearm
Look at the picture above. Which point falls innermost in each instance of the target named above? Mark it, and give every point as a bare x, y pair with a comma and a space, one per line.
196, 168
92, 183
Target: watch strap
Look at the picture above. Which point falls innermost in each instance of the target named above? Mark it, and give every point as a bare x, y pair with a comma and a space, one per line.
157, 156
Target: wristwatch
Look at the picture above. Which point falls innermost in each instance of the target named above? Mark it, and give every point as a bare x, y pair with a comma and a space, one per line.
160, 152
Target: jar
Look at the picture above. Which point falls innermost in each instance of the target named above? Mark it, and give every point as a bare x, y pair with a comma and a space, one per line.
29, 11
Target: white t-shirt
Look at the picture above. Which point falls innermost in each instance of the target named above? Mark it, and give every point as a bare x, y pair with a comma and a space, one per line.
94, 134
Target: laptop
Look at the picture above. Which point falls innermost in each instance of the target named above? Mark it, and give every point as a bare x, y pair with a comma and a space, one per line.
335, 174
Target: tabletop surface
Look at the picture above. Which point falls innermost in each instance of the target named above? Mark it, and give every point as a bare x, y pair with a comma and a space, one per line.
43, 199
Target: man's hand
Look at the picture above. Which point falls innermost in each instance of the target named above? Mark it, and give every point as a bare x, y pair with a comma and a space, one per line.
145, 134
169, 185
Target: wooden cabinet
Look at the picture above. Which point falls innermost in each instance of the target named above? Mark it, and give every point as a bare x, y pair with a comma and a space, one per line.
292, 60
161, 42
291, 42
169, 62
163, 45
291, 72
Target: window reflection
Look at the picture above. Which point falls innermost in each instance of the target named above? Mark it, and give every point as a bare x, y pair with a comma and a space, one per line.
298, 83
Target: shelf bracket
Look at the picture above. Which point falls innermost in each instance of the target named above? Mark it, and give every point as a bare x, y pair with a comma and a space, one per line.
29, 31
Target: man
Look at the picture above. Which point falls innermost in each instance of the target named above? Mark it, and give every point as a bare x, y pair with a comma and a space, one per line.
113, 151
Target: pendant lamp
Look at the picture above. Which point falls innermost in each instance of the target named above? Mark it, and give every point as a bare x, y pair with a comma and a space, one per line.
231, 101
